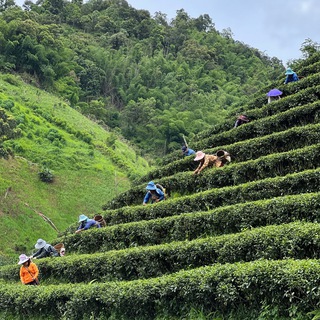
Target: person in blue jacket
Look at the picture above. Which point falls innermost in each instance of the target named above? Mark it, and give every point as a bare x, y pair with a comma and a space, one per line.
86, 223
187, 151
153, 193
291, 76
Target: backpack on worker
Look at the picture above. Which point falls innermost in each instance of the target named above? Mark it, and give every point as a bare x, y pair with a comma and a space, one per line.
164, 190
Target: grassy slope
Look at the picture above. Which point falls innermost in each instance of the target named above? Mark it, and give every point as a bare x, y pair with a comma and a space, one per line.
85, 176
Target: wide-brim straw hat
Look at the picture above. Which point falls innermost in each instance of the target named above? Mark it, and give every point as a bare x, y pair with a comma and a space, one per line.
199, 155
40, 244
23, 258
82, 217
289, 71
151, 186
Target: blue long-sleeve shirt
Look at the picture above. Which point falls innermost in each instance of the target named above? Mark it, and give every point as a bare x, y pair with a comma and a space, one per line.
291, 78
85, 225
188, 152
159, 194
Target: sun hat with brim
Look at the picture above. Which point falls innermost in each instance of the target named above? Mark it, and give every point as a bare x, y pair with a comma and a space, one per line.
274, 93
289, 71
23, 258
151, 186
199, 155
82, 217
40, 244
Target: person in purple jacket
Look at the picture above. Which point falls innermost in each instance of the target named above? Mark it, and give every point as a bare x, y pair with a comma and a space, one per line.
86, 223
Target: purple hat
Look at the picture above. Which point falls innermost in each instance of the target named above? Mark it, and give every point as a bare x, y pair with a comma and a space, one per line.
274, 93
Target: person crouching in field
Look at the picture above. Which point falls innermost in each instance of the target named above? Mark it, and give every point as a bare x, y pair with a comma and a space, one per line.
187, 151
242, 119
44, 250
205, 160
153, 193
86, 223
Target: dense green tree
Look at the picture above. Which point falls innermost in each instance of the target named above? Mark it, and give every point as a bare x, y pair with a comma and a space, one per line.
53, 6
136, 118
6, 4
91, 78
309, 47
152, 79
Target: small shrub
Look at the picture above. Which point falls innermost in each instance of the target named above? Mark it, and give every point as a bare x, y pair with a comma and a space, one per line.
7, 104
111, 141
4, 152
91, 153
46, 175
12, 80
18, 148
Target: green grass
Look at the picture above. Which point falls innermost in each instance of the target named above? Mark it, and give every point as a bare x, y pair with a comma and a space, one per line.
87, 172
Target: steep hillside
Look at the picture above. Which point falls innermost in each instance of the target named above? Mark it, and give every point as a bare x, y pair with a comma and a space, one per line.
89, 165
151, 79
237, 242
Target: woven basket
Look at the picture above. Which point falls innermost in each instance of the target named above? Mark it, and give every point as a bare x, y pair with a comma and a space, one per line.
100, 219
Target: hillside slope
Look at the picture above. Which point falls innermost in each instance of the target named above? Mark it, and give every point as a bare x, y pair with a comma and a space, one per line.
89, 164
237, 242
151, 79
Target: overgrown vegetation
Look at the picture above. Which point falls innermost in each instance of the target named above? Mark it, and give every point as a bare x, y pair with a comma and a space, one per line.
150, 79
42, 134
238, 242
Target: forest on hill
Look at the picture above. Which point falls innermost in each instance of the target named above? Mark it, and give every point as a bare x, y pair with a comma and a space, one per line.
238, 242
149, 79
96, 99
103, 91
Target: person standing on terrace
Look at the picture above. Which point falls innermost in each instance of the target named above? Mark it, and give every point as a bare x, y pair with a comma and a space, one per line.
291, 76
29, 271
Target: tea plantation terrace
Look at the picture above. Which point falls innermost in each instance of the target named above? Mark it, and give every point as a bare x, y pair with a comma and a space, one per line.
240, 242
